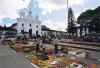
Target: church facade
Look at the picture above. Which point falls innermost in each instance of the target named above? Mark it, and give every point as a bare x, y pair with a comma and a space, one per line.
28, 23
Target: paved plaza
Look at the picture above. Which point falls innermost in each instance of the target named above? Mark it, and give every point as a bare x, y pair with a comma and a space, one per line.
11, 59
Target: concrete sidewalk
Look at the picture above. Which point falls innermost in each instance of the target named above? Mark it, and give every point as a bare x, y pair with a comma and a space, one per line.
11, 59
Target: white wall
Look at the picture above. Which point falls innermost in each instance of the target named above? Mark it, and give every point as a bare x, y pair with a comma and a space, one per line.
44, 32
27, 20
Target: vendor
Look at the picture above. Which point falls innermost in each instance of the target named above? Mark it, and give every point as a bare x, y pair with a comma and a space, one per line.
2, 38
37, 45
56, 42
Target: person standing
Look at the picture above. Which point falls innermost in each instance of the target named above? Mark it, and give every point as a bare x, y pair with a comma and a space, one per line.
56, 42
41, 44
37, 45
2, 39
49, 39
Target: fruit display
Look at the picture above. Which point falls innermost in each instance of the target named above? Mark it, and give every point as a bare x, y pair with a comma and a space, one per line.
51, 58
51, 62
50, 66
42, 64
17, 48
49, 51
44, 57
33, 59
26, 50
24, 42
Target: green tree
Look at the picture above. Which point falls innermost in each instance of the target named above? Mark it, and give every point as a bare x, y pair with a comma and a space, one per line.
90, 18
71, 22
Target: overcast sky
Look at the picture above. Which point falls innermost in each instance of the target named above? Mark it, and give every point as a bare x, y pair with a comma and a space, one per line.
52, 13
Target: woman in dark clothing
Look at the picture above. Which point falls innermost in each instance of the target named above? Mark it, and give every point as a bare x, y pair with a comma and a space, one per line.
37, 45
37, 48
56, 49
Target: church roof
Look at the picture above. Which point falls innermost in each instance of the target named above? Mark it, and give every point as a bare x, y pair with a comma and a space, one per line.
7, 29
43, 27
30, 12
14, 24
0, 26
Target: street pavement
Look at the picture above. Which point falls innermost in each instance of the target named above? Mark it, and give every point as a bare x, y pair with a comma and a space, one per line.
11, 59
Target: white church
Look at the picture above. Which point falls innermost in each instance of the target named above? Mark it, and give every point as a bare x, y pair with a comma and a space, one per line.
28, 23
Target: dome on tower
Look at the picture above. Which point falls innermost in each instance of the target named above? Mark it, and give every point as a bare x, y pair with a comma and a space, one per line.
36, 16
22, 14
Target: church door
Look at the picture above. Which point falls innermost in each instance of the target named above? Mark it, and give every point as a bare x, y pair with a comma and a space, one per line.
30, 32
36, 33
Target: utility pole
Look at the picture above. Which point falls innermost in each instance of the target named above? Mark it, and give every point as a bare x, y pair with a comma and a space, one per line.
67, 10
67, 4
67, 17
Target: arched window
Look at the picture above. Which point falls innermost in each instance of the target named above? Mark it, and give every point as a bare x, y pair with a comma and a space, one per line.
22, 24
30, 25
37, 26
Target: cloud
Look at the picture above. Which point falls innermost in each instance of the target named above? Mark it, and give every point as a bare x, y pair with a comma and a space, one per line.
55, 25
77, 14
10, 8
50, 5
1, 24
9, 24
76, 2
